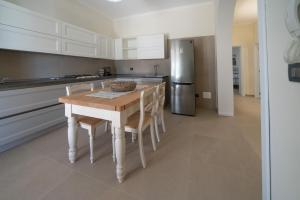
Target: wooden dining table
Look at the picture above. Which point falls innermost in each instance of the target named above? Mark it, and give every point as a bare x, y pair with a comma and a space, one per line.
115, 110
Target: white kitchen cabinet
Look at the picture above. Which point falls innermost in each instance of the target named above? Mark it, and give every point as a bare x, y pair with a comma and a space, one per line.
17, 129
24, 40
26, 113
105, 47
22, 100
102, 47
75, 48
110, 48
119, 49
79, 34
19, 17
148, 41
151, 47
141, 47
151, 53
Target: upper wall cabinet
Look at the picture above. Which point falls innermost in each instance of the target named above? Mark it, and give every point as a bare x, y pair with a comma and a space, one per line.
24, 40
105, 47
78, 34
151, 47
16, 16
141, 47
119, 49
75, 48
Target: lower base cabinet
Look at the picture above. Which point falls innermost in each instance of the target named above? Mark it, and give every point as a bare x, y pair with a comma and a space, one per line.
14, 130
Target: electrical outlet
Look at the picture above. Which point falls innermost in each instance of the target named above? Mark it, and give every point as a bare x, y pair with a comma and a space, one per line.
206, 95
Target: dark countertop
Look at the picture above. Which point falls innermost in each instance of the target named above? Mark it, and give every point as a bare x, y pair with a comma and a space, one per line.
139, 76
31, 83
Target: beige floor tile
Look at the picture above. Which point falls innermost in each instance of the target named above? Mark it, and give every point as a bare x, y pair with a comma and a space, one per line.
77, 187
31, 179
205, 157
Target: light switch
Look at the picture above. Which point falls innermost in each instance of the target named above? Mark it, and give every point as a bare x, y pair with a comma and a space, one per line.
206, 95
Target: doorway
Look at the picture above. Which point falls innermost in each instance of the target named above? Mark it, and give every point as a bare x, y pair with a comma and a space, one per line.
236, 69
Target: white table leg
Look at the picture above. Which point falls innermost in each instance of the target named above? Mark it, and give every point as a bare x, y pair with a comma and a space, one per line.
120, 152
113, 143
72, 138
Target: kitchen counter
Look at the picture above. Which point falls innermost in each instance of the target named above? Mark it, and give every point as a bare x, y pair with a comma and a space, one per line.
139, 76
30, 83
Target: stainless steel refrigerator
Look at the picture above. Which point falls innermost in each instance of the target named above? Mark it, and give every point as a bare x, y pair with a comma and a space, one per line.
182, 77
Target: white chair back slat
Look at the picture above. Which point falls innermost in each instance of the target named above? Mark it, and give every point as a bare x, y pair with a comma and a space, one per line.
83, 87
162, 91
106, 83
147, 100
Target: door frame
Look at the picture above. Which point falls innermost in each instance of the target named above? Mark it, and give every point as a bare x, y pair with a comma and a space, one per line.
256, 70
243, 59
265, 109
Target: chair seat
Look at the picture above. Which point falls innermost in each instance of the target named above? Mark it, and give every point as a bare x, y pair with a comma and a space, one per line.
90, 121
133, 120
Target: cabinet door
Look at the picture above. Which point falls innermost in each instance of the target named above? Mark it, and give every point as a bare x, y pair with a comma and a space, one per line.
78, 34
151, 53
74, 48
19, 17
110, 48
20, 39
102, 47
118, 49
147, 41
151, 47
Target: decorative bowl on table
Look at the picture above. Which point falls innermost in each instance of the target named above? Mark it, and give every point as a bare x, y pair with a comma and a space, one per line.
123, 86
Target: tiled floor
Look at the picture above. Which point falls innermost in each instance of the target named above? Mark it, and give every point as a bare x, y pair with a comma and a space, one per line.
200, 158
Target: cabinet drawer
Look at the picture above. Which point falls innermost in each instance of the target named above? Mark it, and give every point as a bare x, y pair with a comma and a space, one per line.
78, 34
20, 39
18, 101
70, 47
16, 16
27, 125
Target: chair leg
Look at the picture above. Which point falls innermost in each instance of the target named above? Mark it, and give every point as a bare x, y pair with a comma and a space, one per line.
152, 135
162, 117
106, 126
156, 128
91, 136
113, 144
141, 147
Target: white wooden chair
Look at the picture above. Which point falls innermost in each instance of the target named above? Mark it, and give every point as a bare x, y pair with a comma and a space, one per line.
138, 122
159, 109
87, 123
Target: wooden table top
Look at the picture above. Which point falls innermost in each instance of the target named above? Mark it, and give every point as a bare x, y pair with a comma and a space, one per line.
116, 104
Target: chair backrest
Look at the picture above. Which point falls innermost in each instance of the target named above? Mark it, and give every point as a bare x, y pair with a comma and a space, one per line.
161, 94
147, 104
106, 83
83, 87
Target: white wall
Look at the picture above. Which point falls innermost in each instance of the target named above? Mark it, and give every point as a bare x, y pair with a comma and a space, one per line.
189, 21
284, 109
245, 35
224, 10
70, 11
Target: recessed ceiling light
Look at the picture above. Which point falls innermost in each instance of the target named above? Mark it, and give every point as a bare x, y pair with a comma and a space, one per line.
114, 0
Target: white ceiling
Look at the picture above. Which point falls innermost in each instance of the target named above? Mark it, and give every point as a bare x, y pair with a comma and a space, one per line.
133, 7
245, 11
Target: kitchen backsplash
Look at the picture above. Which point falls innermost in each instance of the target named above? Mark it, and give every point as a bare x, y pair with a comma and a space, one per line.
26, 65
143, 67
